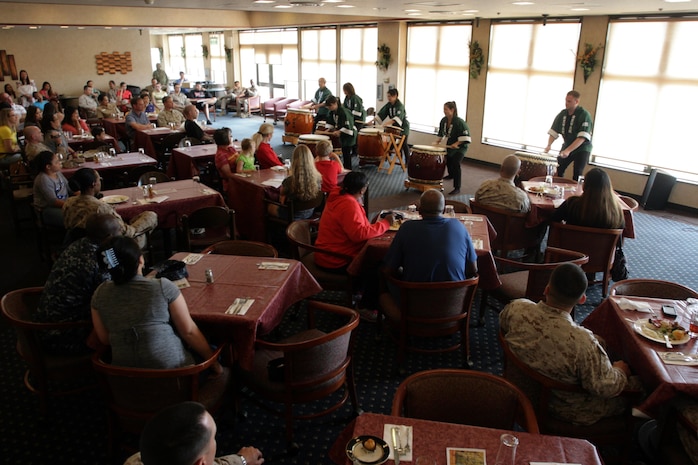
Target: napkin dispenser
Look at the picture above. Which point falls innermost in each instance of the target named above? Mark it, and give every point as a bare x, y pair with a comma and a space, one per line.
172, 270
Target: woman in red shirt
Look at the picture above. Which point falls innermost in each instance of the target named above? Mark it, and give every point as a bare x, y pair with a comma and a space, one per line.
72, 122
328, 164
265, 154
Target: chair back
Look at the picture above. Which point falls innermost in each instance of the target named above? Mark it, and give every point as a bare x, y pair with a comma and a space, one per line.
512, 233
158, 175
459, 207
302, 234
632, 204
653, 288
192, 141
243, 248
254, 104
556, 180
464, 397
599, 244
217, 222
44, 366
134, 395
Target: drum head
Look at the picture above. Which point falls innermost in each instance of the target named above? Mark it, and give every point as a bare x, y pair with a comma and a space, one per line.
312, 138
370, 131
297, 110
429, 148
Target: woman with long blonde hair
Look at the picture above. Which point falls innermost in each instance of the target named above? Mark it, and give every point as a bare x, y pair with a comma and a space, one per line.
597, 207
265, 154
302, 183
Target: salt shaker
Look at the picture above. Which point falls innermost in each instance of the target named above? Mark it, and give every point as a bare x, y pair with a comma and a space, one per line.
506, 455
209, 276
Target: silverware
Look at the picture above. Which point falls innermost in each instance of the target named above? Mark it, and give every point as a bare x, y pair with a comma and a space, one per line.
666, 341
396, 444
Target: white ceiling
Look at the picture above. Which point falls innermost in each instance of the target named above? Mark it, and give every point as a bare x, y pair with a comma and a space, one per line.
414, 9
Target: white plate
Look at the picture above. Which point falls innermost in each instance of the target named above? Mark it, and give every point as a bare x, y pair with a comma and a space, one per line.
355, 450
115, 199
644, 328
539, 190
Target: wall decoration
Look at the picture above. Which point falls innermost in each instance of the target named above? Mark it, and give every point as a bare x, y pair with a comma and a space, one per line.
477, 59
384, 58
113, 63
587, 59
7, 63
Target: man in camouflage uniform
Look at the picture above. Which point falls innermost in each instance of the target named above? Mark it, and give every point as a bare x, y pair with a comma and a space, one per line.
73, 279
545, 337
501, 192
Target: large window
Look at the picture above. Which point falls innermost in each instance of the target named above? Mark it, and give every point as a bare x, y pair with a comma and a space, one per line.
219, 73
194, 60
437, 72
531, 69
318, 59
357, 62
270, 58
175, 62
648, 90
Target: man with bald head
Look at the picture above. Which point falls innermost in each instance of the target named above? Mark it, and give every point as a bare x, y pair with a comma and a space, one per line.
501, 192
433, 249
35, 142
319, 99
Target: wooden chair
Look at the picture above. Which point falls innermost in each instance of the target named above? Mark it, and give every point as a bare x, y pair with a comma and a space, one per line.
133, 176
218, 224
670, 447
254, 105
301, 234
464, 397
653, 288
244, 248
287, 214
165, 148
428, 310
45, 367
512, 233
616, 430
459, 207
599, 244
528, 280
309, 366
158, 175
134, 395
556, 180
191, 140
21, 192
632, 204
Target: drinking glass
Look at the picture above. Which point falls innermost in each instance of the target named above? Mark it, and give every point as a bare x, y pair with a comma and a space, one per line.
506, 455
549, 175
450, 212
580, 184
692, 310
187, 143
154, 125
112, 152
141, 151
152, 180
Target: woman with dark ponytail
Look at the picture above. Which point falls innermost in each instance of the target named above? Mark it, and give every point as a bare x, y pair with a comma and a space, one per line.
146, 321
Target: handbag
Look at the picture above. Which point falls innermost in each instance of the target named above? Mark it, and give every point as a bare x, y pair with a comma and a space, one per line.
619, 271
171, 269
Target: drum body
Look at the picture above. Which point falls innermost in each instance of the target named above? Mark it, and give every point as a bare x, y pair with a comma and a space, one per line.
298, 121
534, 165
370, 146
397, 130
427, 164
311, 140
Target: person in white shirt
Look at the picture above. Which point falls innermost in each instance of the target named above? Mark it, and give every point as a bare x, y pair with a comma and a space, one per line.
87, 102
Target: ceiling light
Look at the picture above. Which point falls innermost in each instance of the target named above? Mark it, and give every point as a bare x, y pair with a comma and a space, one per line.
283, 6
345, 6
263, 1
107, 27
81, 27
412, 11
677, 1
414, 14
580, 9
523, 3
33, 27
471, 11
65, 27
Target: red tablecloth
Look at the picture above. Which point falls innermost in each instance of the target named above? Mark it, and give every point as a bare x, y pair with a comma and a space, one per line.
183, 198
116, 127
431, 438
184, 160
662, 381
77, 143
121, 162
375, 250
273, 292
542, 208
148, 139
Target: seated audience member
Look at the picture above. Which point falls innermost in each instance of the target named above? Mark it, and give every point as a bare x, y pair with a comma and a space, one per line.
266, 157
328, 164
182, 79
597, 207
501, 192
9, 102
179, 98
107, 109
69, 287
54, 138
25, 89
137, 119
87, 102
226, 155
35, 142
55, 101
46, 90
232, 97
145, 320
50, 189
185, 434
157, 95
169, 115
123, 97
100, 135
72, 123
433, 249
34, 115
39, 101
149, 105
546, 338
243, 104
10, 91
246, 157
149, 88
302, 184
204, 100
344, 227
191, 126
9, 145
78, 209
111, 93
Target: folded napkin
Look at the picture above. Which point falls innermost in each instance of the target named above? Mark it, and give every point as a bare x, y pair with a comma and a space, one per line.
273, 182
192, 258
239, 306
471, 218
477, 243
281, 266
208, 191
163, 190
627, 304
558, 202
278, 168
158, 199
405, 441
182, 283
243, 175
678, 358
144, 160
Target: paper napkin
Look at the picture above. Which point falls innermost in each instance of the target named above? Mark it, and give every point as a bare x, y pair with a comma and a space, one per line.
405, 434
240, 306
556, 204
678, 358
273, 182
158, 199
477, 243
281, 266
192, 258
471, 218
627, 304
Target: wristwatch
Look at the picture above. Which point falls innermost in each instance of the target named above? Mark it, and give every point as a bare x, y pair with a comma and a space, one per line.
242, 459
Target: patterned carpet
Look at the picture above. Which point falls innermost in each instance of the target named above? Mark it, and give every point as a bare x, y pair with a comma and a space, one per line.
75, 432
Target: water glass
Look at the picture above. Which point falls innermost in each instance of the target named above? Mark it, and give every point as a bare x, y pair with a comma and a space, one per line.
187, 143
450, 211
154, 125
692, 310
112, 152
412, 208
580, 184
506, 455
152, 180
141, 151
